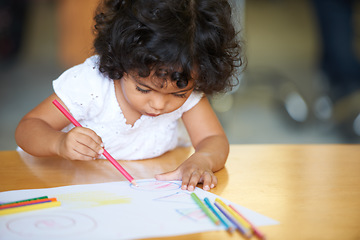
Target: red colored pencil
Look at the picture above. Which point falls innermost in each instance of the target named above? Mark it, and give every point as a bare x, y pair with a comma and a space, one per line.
255, 230
106, 154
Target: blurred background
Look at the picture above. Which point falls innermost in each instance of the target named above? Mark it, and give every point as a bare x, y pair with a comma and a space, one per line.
301, 84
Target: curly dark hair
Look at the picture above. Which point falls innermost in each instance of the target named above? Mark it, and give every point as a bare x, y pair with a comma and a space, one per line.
167, 35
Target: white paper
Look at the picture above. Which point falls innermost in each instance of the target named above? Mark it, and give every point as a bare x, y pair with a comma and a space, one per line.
116, 210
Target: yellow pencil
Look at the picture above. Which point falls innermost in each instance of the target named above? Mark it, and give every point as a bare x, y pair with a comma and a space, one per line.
29, 207
234, 214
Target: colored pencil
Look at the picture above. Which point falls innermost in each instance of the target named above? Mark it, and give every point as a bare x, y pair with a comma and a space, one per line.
25, 200
255, 229
106, 154
232, 212
220, 216
29, 208
205, 209
245, 231
27, 203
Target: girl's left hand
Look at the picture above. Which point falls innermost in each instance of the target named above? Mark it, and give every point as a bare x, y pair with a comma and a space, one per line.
193, 171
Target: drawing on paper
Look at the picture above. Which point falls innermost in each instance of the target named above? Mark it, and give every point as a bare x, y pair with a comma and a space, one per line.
49, 225
113, 211
92, 199
178, 197
155, 186
194, 214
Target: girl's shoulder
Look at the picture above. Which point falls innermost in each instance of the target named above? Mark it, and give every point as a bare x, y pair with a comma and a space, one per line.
85, 75
193, 99
83, 86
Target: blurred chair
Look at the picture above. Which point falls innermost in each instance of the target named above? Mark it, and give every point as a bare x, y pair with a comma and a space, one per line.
339, 64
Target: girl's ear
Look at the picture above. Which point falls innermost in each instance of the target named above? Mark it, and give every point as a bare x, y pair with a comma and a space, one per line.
125, 76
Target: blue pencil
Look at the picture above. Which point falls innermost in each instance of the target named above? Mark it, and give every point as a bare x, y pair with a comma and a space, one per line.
242, 229
221, 217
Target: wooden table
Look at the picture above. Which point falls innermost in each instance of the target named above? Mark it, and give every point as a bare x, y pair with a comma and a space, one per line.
312, 190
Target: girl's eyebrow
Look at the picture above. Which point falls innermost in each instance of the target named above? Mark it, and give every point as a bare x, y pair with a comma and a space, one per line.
144, 85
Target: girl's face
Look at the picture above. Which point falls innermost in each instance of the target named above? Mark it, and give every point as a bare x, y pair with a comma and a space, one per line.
150, 99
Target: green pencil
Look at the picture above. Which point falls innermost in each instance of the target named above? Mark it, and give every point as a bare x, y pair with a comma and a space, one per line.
205, 209
29, 208
25, 200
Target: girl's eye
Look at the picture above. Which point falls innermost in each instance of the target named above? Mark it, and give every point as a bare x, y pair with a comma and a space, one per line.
180, 95
142, 90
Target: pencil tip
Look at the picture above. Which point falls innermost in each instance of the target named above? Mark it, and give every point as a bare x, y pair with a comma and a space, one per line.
134, 183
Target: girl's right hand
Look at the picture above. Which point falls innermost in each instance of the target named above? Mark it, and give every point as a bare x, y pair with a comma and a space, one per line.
80, 144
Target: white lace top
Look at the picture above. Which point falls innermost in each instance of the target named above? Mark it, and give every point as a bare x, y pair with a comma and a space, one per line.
90, 97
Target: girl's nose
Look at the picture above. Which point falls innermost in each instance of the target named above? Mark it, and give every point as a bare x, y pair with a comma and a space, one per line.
158, 102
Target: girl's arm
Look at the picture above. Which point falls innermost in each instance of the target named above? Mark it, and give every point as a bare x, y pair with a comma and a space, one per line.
39, 133
211, 149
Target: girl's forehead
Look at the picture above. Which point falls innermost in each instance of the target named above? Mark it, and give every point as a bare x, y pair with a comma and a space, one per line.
155, 80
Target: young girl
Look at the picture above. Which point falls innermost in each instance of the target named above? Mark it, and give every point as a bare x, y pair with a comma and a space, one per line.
155, 61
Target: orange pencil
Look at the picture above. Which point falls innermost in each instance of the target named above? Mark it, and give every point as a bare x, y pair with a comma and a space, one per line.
29, 208
11, 205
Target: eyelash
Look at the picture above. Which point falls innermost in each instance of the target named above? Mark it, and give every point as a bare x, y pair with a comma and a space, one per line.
147, 91
142, 90
180, 95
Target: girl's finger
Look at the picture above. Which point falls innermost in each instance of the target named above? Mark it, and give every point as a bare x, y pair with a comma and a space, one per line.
185, 180
194, 180
75, 155
207, 180
214, 181
168, 176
